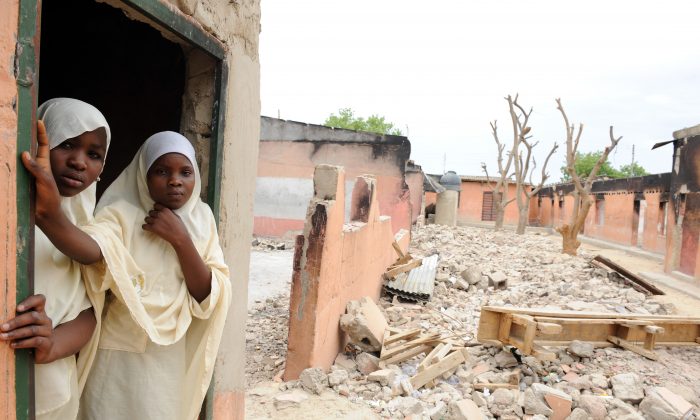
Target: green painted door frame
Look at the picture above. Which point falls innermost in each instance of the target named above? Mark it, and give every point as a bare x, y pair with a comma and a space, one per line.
29, 33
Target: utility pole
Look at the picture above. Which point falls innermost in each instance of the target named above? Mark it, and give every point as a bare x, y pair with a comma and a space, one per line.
633, 156
444, 163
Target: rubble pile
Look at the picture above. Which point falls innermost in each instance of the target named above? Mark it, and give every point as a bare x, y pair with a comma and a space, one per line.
481, 267
266, 244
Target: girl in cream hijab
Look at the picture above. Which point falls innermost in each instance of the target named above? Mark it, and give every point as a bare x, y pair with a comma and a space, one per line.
78, 136
154, 250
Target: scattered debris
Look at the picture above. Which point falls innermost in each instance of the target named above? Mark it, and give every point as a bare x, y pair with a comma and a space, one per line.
411, 278
630, 278
538, 276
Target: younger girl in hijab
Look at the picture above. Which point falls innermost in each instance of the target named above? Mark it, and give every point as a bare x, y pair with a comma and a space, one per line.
78, 136
168, 287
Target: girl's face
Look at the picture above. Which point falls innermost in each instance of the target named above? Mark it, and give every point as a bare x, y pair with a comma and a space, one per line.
171, 180
76, 163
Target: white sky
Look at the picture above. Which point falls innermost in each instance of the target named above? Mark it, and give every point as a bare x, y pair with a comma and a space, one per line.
440, 70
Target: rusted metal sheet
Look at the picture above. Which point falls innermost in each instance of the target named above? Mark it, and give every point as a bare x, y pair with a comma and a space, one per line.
417, 284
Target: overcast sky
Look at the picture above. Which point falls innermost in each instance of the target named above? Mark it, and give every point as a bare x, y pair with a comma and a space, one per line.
440, 71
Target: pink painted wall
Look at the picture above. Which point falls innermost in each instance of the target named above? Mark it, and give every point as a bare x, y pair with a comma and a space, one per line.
8, 209
294, 160
471, 200
618, 219
334, 264
414, 180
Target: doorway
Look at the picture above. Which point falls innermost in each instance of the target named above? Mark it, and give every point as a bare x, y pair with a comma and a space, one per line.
93, 52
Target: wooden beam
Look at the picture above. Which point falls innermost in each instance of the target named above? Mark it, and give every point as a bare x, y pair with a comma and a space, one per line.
630, 276
404, 335
406, 354
397, 248
405, 346
403, 268
633, 347
432, 372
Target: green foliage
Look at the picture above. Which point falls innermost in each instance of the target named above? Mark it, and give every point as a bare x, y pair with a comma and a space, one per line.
374, 123
633, 169
586, 161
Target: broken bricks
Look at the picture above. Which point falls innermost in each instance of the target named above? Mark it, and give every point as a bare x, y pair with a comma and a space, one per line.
364, 324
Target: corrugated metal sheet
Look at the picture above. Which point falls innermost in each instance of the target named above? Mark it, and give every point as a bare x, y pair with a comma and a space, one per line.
417, 284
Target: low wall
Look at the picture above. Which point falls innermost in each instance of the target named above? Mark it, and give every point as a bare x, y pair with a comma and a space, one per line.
335, 263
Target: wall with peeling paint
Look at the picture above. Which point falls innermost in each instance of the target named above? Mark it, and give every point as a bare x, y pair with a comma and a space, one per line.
334, 264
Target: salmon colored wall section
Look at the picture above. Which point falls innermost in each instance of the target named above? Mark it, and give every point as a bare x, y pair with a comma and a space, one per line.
277, 228
618, 214
414, 180
430, 198
471, 200
333, 265
292, 159
8, 209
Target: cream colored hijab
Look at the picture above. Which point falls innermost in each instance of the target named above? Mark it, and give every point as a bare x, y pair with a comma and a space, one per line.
144, 274
57, 276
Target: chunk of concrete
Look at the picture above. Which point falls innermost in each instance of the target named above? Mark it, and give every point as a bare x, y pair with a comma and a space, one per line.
534, 405
465, 410
314, 380
364, 324
581, 348
337, 377
579, 414
662, 404
367, 363
498, 280
627, 387
594, 406
344, 362
290, 399
383, 376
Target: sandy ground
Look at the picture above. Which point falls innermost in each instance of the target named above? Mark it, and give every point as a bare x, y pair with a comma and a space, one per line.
270, 275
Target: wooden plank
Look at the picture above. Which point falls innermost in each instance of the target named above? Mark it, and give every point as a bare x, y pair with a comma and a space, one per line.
432, 372
529, 337
504, 328
406, 354
633, 347
549, 328
397, 248
403, 260
403, 268
429, 357
404, 335
405, 346
630, 276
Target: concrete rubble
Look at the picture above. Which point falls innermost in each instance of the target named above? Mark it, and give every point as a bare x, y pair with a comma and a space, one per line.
480, 267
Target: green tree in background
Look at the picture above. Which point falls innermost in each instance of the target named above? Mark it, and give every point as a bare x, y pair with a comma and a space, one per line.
585, 163
633, 169
374, 123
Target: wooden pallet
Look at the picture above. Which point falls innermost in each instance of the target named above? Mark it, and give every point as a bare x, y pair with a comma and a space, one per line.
531, 330
442, 355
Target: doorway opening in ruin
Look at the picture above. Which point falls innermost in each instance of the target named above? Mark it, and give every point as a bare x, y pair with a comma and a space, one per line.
148, 68
133, 75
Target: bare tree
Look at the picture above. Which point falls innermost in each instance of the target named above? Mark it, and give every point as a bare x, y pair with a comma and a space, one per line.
525, 164
500, 187
582, 188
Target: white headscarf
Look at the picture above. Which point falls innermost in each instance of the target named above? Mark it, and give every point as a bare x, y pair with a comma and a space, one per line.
67, 118
144, 274
57, 276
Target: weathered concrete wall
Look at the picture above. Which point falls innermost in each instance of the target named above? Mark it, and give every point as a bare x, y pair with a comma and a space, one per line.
334, 264
8, 209
289, 152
